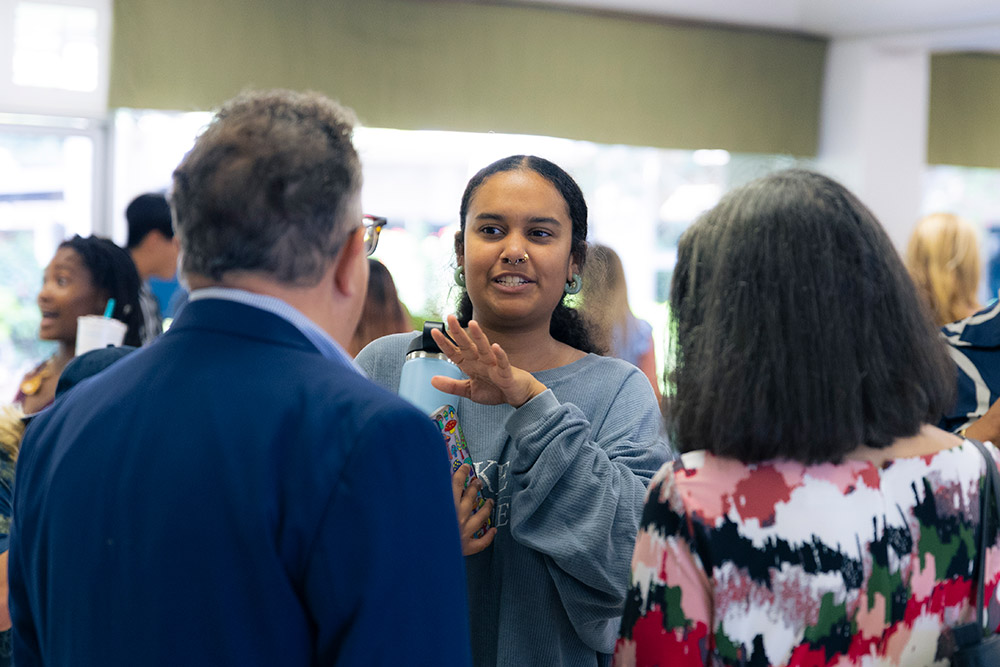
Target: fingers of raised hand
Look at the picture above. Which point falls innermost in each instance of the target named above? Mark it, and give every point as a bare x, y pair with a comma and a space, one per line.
449, 349
451, 386
458, 334
503, 362
479, 339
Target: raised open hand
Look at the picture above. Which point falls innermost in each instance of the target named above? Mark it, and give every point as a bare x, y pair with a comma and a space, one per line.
492, 380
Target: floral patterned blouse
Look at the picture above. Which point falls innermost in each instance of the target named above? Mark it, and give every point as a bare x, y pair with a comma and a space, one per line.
827, 565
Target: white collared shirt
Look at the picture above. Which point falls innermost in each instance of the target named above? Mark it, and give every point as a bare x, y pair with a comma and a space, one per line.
326, 345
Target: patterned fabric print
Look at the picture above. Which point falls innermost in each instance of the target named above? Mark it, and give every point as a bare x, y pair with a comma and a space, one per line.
974, 345
6, 494
824, 565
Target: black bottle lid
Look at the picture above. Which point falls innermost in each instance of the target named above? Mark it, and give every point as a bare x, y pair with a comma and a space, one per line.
424, 342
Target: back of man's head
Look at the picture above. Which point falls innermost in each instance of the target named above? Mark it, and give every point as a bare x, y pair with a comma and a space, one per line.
147, 213
266, 188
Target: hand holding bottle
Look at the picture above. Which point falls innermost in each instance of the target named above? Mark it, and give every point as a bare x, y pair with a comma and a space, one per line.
473, 513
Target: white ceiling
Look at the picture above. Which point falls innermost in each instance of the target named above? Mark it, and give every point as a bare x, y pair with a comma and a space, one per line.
972, 24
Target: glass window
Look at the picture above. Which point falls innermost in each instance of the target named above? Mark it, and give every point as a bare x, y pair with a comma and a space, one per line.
147, 147
640, 199
55, 46
54, 57
46, 191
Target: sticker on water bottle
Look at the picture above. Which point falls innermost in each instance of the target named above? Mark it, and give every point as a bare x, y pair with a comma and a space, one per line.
458, 453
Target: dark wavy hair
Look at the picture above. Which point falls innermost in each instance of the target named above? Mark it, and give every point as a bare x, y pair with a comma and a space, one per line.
566, 325
112, 271
799, 334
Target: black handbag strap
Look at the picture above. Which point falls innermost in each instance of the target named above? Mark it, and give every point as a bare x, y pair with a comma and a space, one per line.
991, 487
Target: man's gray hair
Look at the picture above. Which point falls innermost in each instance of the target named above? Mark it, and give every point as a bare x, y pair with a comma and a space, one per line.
266, 187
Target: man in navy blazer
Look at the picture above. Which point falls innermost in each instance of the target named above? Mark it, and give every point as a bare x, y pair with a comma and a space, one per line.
237, 493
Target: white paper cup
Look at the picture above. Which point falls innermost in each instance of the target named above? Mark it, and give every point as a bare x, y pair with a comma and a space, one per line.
94, 332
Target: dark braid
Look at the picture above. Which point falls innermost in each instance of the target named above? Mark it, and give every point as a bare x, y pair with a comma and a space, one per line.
112, 270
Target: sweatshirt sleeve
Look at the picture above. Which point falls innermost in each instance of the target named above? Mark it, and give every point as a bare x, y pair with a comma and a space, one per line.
578, 496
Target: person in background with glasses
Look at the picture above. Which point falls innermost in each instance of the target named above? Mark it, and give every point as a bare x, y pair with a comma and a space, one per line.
373, 225
272, 506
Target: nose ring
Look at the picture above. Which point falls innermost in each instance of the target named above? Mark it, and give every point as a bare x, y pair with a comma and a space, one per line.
519, 260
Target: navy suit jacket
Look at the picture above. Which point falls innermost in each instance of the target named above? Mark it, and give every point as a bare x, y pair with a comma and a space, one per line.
228, 496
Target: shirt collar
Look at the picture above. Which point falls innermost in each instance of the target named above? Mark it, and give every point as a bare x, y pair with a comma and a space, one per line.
326, 345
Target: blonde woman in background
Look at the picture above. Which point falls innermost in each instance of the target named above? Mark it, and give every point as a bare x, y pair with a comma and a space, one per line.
943, 260
615, 329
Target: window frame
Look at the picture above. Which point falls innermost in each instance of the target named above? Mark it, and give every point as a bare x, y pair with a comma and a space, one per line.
52, 101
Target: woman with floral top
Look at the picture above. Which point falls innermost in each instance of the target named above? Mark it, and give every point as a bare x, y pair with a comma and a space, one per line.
816, 517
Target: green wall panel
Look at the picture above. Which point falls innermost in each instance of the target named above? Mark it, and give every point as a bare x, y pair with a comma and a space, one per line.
963, 123
423, 64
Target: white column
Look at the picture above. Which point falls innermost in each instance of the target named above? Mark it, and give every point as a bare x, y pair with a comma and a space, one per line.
873, 127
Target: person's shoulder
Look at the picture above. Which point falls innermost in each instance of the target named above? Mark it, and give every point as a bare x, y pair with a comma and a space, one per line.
643, 327
347, 389
340, 405
664, 496
595, 379
591, 363
30, 381
382, 359
613, 371
981, 329
639, 330
36, 370
339, 380
709, 485
364, 414
389, 346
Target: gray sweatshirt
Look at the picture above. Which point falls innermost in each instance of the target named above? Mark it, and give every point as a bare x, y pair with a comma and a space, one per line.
568, 471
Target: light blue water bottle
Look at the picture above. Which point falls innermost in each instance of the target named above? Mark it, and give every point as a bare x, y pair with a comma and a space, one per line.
424, 360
